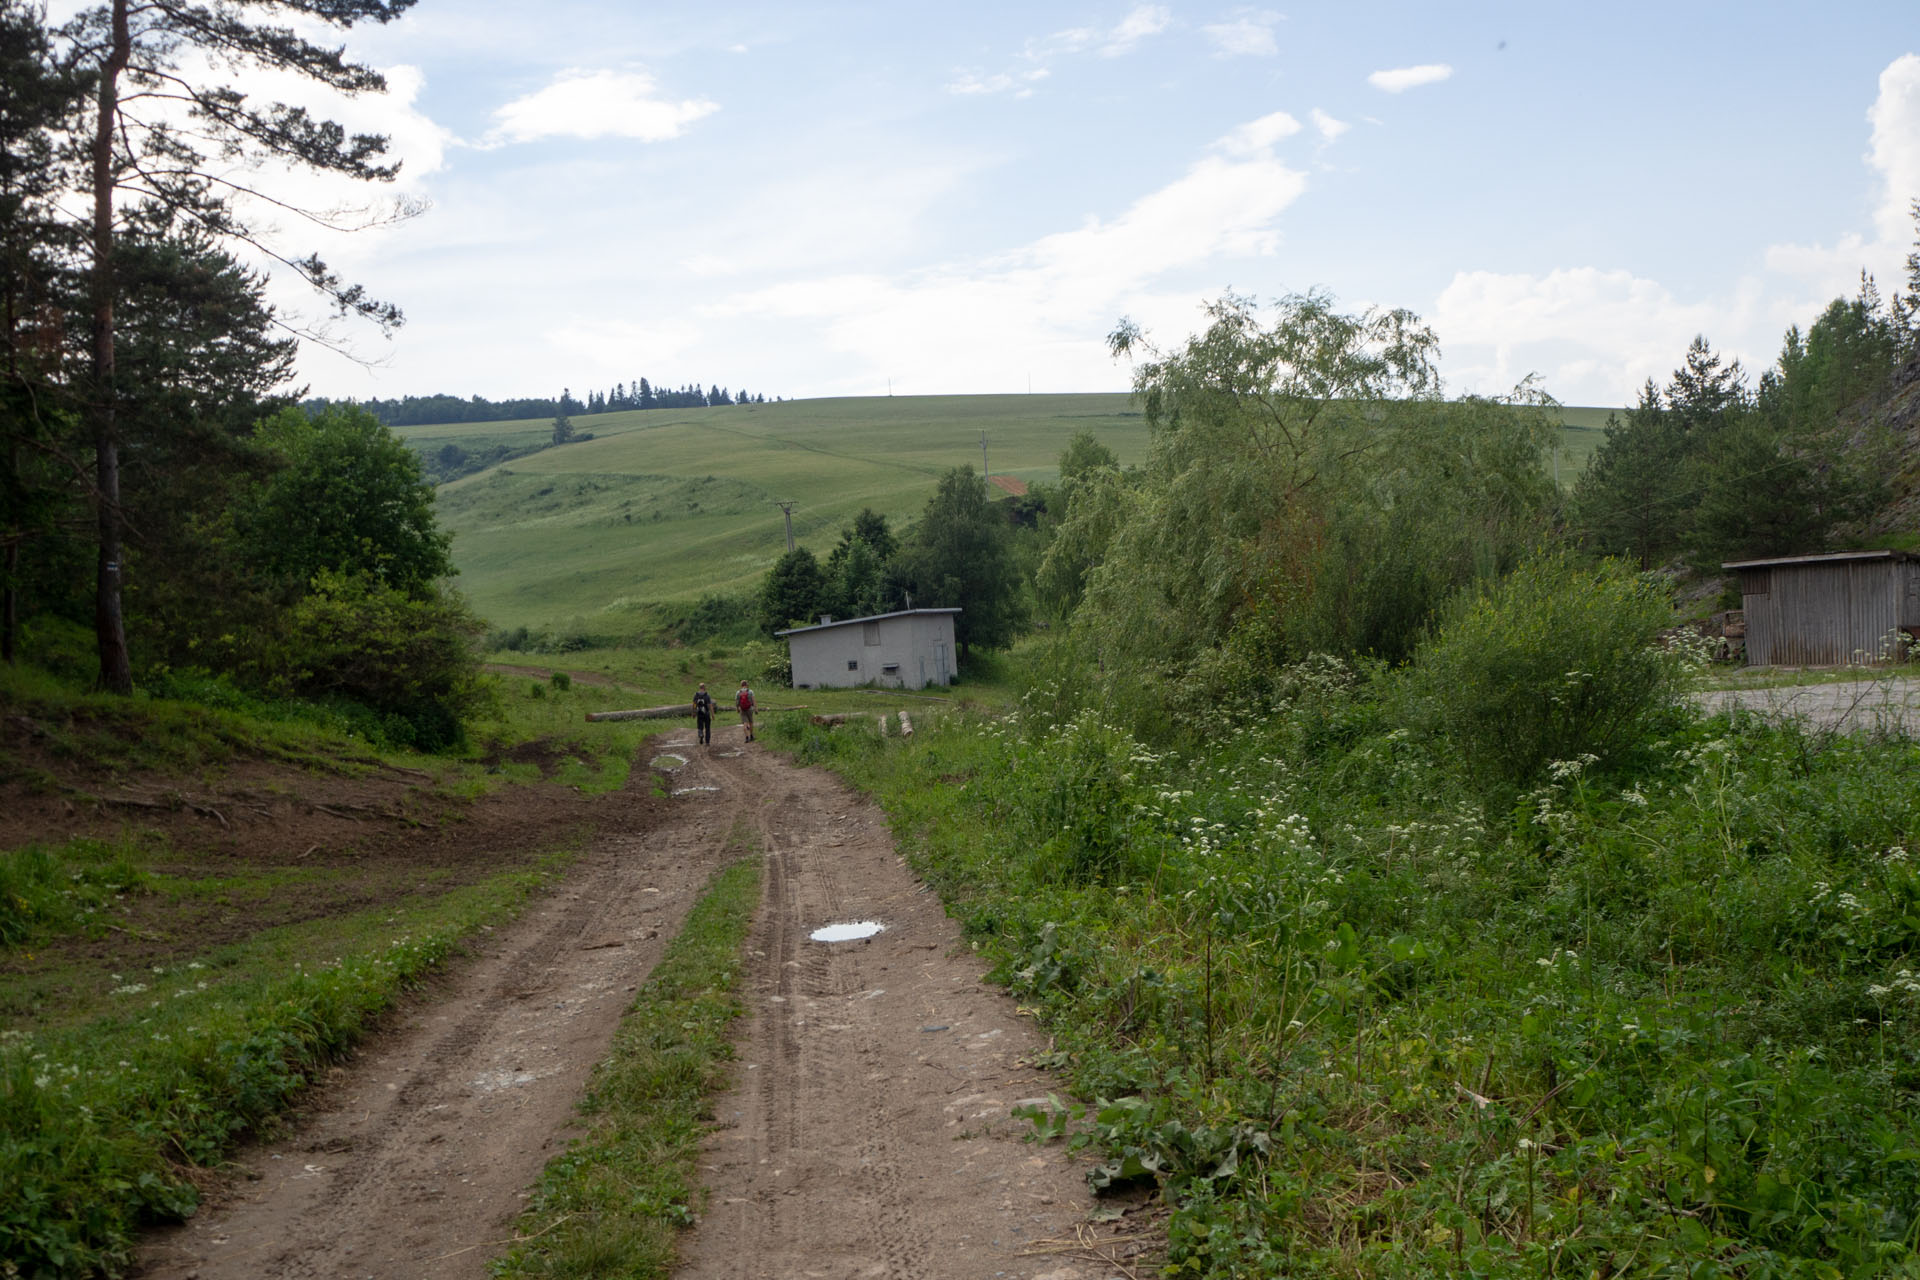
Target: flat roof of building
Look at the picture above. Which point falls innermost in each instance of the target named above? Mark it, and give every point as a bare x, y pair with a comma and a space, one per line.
1828, 558
872, 617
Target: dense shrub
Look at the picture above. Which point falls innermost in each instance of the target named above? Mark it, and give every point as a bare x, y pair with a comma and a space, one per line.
1554, 662
407, 657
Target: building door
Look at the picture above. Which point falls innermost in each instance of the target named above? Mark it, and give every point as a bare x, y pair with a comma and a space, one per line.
940, 663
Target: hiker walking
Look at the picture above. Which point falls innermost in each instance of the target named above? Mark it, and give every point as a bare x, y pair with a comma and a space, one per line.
703, 714
744, 701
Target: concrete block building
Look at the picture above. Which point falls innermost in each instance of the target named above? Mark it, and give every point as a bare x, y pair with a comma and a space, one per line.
907, 650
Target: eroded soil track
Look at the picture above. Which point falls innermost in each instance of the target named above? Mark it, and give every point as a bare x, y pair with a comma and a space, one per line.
868, 1134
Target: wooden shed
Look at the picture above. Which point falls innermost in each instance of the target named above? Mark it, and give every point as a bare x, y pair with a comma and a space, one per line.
1829, 610
908, 650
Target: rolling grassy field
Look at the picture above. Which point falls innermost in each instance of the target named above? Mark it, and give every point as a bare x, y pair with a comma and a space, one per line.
673, 504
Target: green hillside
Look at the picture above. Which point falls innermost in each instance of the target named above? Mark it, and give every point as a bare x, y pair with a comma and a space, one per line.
672, 504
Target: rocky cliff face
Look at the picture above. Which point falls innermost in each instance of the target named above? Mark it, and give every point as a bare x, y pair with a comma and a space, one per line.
1900, 412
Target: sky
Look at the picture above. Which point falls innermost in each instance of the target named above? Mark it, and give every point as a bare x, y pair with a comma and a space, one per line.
804, 199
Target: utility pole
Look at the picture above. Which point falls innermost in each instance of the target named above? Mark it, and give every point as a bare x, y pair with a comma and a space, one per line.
786, 509
985, 475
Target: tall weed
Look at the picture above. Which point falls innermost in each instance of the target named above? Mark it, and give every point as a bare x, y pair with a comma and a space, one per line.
1356, 1012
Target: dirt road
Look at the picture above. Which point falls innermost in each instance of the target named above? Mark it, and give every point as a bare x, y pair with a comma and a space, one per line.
868, 1136
1883, 705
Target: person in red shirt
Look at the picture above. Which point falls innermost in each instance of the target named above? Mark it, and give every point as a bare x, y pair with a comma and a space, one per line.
744, 701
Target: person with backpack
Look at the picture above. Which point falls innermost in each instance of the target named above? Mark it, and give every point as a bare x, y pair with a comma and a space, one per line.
703, 714
744, 701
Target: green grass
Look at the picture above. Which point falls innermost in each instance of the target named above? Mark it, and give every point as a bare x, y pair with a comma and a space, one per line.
158, 1000
108, 734
1352, 1021
654, 675
106, 1102
615, 1202
670, 505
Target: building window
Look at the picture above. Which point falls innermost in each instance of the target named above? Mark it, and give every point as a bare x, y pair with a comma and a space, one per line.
890, 667
853, 664
871, 633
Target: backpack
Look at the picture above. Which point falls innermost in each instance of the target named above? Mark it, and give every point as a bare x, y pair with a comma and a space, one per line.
745, 700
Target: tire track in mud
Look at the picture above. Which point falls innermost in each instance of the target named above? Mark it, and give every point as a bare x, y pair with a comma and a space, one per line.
415, 1158
867, 1134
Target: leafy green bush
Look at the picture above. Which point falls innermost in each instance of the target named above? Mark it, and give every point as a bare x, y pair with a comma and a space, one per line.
1554, 662
407, 657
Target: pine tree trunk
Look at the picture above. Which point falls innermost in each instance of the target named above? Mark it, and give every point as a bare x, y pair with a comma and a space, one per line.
10, 608
110, 633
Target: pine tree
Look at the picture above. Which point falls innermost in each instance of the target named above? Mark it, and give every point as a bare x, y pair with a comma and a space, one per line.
36, 249
175, 141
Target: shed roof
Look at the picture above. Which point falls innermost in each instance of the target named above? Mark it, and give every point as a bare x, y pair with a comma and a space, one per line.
1832, 557
847, 622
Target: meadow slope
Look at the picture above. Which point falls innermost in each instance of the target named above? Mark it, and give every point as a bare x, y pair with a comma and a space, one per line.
673, 504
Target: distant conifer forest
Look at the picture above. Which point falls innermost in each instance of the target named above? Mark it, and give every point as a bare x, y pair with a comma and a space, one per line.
408, 411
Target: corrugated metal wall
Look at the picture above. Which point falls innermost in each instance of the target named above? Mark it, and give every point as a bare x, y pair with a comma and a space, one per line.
1828, 614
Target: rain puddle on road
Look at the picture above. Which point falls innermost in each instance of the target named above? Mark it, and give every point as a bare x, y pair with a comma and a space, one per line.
668, 763
687, 791
847, 932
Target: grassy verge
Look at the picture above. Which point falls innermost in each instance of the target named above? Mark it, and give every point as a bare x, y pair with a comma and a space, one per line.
1897, 677
102, 1120
616, 1201
1355, 1018
159, 999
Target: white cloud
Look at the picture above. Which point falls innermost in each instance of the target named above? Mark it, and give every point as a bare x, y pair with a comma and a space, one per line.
1141, 23
1018, 83
1401, 79
1596, 335
1329, 127
1249, 34
1145, 21
1893, 153
1592, 335
1895, 148
609, 343
1257, 136
596, 104
981, 324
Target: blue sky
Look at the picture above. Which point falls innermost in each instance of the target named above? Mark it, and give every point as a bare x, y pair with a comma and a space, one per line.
808, 199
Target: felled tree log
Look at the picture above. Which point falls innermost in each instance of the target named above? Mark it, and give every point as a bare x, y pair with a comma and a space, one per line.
645, 713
